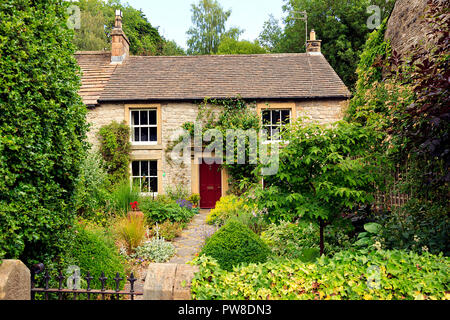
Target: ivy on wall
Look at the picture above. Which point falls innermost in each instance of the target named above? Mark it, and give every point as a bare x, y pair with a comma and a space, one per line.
115, 148
222, 115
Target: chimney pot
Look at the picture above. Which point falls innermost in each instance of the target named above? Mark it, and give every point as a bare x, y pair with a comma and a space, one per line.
313, 45
120, 47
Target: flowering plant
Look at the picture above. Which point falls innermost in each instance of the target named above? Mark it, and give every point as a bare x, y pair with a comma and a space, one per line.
184, 203
134, 205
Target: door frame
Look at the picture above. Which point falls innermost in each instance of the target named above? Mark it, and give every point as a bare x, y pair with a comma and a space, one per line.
195, 177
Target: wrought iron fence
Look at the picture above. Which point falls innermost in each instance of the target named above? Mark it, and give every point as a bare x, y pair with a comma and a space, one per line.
77, 293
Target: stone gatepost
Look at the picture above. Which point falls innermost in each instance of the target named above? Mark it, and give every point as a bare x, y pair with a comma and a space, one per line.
15, 280
169, 281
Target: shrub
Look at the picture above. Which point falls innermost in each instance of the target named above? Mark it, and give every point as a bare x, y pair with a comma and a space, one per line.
91, 193
115, 147
226, 207
162, 210
42, 128
384, 275
252, 219
296, 240
234, 244
168, 230
288, 239
417, 227
156, 249
93, 250
131, 231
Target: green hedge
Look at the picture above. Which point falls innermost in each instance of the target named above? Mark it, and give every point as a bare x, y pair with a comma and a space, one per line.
347, 276
234, 244
42, 128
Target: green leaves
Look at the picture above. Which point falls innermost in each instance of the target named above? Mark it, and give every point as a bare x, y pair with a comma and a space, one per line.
372, 227
379, 275
42, 127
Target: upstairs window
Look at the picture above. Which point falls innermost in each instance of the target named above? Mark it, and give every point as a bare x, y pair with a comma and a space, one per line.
144, 126
273, 121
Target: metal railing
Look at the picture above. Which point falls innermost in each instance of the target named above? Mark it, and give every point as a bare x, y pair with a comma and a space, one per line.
77, 293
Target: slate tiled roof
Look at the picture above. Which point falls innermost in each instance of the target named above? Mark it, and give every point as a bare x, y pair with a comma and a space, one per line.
264, 76
97, 70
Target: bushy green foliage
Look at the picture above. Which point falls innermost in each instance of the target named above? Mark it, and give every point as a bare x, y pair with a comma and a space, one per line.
167, 230
323, 171
233, 46
94, 251
234, 244
42, 127
369, 72
156, 250
98, 20
383, 275
417, 227
340, 24
91, 194
115, 148
227, 207
162, 210
291, 240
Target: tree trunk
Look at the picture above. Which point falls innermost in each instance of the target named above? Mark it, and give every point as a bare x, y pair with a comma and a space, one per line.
322, 242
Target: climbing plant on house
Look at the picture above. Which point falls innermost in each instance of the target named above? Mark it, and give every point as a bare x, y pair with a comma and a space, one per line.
42, 128
115, 148
219, 116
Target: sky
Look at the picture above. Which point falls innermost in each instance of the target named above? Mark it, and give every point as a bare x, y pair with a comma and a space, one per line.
174, 16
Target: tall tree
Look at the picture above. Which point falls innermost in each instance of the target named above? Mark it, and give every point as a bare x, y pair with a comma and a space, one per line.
208, 19
97, 21
233, 46
340, 24
270, 37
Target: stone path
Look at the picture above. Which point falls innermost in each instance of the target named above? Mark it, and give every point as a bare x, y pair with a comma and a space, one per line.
192, 238
187, 245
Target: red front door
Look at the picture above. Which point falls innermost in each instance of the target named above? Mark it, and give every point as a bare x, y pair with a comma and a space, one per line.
210, 185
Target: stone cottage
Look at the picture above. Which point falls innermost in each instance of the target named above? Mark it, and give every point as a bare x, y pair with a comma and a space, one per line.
155, 95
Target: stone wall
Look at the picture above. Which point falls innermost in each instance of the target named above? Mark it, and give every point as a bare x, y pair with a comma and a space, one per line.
404, 28
172, 117
323, 111
103, 115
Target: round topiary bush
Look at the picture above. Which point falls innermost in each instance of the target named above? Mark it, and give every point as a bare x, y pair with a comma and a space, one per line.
234, 244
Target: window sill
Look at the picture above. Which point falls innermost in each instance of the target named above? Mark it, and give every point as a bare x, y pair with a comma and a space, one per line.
146, 146
280, 142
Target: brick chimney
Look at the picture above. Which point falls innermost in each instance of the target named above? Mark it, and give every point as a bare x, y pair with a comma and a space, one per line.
313, 45
120, 47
